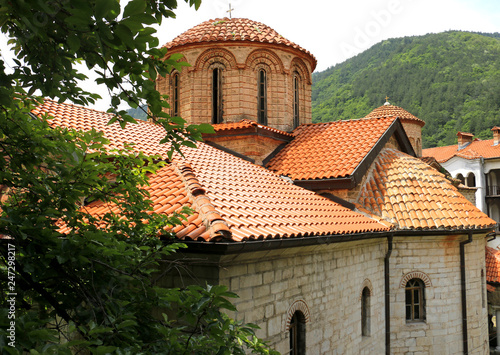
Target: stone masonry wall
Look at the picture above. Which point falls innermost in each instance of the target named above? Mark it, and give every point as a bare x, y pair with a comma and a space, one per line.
327, 280
436, 260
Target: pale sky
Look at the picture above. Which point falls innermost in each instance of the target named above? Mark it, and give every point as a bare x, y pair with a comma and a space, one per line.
334, 30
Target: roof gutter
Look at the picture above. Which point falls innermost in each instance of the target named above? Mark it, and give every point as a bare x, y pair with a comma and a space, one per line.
231, 247
227, 248
387, 289
463, 283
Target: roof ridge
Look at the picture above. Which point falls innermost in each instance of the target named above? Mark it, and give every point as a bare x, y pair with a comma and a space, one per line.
213, 221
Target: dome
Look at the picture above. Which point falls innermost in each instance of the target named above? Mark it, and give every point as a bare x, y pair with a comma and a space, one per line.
388, 110
234, 30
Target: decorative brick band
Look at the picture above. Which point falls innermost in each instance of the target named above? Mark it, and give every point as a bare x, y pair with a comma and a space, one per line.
265, 56
214, 55
298, 305
415, 275
366, 283
300, 67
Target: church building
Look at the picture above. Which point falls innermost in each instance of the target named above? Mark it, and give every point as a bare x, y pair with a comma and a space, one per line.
336, 236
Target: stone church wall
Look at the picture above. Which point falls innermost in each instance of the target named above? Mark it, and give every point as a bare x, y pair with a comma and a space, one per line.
326, 280
437, 261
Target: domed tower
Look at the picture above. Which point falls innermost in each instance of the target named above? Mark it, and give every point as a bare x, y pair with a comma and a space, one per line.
411, 124
240, 69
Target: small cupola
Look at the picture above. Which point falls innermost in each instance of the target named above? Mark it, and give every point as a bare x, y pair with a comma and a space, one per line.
464, 139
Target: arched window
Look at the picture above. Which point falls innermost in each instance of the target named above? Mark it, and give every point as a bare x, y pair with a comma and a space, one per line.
297, 334
461, 178
296, 100
415, 300
175, 95
471, 180
217, 95
365, 312
262, 97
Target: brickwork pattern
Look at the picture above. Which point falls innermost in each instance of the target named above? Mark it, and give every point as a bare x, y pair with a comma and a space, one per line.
240, 64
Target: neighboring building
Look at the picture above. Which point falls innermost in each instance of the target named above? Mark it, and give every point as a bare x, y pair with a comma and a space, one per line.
338, 239
476, 163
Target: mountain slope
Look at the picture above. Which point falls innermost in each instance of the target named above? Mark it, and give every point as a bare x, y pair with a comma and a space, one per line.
450, 80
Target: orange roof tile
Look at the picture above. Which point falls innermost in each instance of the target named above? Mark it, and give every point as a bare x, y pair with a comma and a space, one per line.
329, 150
415, 196
388, 110
228, 194
492, 265
234, 30
246, 124
475, 150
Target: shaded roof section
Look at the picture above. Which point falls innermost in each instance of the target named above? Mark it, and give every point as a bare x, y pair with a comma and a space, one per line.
233, 199
234, 30
474, 150
412, 195
246, 124
329, 150
388, 110
492, 265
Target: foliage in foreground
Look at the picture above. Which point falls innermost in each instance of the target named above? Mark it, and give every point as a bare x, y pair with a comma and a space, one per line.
73, 282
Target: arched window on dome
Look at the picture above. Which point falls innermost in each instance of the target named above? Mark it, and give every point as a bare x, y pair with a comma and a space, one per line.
297, 333
471, 180
217, 109
175, 94
296, 100
262, 97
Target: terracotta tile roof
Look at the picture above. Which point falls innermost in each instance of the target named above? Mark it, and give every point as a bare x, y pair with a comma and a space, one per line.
410, 194
329, 150
246, 124
227, 193
388, 110
492, 265
475, 150
233, 30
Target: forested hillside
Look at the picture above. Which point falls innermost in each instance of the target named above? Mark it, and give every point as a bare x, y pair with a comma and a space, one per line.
450, 80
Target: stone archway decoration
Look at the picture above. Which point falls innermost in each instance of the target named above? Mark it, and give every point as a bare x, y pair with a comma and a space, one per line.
215, 55
298, 305
300, 67
366, 283
267, 57
415, 275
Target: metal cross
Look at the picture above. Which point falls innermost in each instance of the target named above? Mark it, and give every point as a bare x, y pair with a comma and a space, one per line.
387, 98
230, 10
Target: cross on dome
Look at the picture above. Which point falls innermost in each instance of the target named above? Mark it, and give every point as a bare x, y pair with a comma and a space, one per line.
230, 10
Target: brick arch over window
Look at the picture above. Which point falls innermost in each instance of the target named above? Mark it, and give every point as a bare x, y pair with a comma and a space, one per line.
366, 283
259, 56
215, 55
300, 67
298, 305
415, 275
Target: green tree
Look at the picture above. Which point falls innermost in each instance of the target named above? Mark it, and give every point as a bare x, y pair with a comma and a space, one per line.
74, 282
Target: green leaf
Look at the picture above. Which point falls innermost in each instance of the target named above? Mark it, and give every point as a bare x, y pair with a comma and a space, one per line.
134, 7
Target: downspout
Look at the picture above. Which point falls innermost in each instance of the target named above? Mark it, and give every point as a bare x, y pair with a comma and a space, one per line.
387, 297
465, 335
